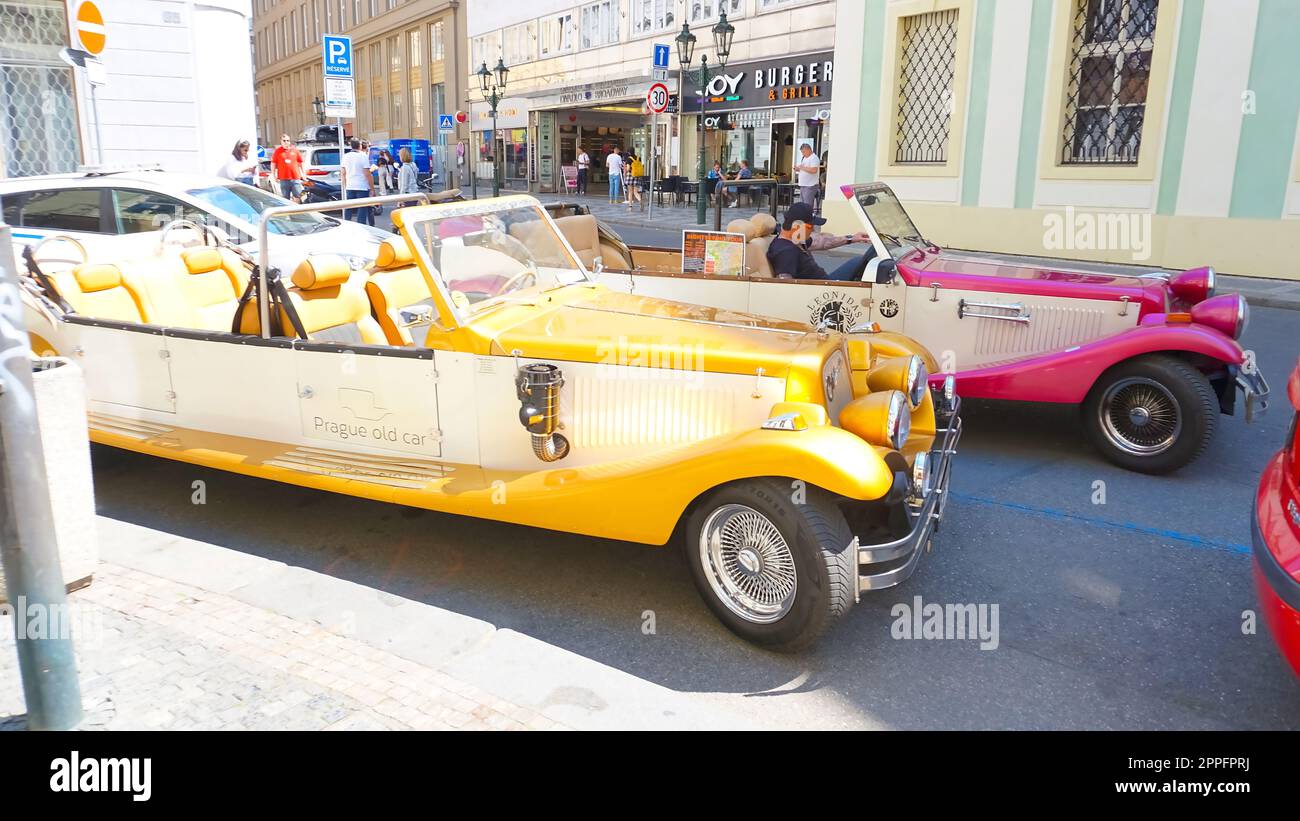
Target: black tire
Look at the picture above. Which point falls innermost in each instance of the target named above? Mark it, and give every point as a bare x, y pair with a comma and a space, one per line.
817, 538
1165, 383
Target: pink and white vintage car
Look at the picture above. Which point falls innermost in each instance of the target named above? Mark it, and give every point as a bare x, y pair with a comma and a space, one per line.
1153, 359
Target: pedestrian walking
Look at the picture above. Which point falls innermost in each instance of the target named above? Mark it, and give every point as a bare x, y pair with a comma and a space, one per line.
635, 170
584, 166
408, 181
286, 164
808, 171
239, 167
614, 164
357, 182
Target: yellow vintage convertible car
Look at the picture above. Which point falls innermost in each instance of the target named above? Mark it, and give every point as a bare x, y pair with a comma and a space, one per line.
478, 369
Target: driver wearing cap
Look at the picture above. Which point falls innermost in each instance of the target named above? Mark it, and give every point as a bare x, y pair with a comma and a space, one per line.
790, 254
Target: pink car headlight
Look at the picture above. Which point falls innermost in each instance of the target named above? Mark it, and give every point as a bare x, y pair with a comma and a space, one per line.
1193, 285
1229, 314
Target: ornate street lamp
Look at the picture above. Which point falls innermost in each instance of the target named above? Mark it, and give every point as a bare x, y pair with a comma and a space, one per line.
318, 105
722, 35
490, 82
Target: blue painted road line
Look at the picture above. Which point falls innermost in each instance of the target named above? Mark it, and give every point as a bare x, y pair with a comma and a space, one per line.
1092, 521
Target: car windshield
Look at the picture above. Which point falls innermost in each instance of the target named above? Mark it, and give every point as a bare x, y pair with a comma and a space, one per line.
890, 221
484, 254
246, 203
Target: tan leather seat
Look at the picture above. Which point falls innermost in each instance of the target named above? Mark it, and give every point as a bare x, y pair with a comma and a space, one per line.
740, 225
100, 291
764, 229
330, 302
396, 283
211, 286
583, 234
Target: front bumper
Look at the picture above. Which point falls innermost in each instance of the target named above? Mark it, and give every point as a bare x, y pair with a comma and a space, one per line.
890, 563
1254, 390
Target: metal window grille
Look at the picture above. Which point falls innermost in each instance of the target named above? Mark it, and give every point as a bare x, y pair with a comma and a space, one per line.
38, 121
927, 64
1110, 70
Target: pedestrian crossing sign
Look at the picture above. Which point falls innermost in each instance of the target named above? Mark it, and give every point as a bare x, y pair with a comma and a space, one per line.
446, 123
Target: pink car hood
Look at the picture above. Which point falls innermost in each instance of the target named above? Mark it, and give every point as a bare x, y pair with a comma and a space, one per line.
952, 269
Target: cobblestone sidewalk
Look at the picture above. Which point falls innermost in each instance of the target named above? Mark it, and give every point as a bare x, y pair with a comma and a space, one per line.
154, 653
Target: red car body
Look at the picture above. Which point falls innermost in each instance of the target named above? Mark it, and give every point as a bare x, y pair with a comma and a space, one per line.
1276, 535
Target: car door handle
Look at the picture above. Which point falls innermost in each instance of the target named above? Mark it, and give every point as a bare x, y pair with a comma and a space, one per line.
1021, 314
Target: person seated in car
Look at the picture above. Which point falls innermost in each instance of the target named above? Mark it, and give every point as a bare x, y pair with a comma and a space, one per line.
790, 254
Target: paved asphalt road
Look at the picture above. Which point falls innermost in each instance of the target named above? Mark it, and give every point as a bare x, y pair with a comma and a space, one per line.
1115, 616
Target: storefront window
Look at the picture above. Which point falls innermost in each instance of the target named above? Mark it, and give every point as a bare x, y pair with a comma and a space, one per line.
516, 153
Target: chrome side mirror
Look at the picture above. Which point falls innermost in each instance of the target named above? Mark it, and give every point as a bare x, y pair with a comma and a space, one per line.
417, 315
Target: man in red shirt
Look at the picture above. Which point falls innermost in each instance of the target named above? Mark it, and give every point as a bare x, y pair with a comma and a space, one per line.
287, 163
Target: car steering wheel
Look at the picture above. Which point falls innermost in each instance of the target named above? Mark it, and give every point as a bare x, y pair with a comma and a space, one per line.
81, 249
204, 231
515, 282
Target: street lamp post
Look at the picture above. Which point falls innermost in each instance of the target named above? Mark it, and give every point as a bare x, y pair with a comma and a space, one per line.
722, 34
318, 106
491, 81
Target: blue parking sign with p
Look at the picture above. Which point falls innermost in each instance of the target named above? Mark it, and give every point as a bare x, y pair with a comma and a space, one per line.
338, 55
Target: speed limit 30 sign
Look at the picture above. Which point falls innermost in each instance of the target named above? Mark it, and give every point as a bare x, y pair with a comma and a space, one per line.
657, 98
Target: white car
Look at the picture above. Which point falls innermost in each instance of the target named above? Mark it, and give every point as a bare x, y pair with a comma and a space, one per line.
125, 214
320, 161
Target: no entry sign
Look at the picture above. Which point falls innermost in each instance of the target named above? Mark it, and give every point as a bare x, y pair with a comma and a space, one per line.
90, 28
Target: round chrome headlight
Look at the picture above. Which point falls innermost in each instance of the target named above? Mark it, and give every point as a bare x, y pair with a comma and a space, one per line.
921, 476
918, 378
900, 421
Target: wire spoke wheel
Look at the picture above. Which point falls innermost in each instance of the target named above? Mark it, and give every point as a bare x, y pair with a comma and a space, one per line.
748, 563
1140, 416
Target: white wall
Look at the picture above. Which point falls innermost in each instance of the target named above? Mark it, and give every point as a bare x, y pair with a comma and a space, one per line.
489, 15
180, 83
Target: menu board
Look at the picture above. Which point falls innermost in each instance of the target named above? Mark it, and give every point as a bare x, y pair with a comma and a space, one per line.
713, 252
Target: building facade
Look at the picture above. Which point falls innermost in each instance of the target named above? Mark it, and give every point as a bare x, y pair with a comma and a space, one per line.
1155, 132
170, 97
408, 59
580, 71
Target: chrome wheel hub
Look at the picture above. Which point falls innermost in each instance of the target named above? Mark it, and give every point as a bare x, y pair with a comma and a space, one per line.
749, 565
1140, 416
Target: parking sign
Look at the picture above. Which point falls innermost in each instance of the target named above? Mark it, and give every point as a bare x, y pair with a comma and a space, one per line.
337, 55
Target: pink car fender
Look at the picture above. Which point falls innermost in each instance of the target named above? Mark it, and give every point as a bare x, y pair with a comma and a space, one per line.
1068, 375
